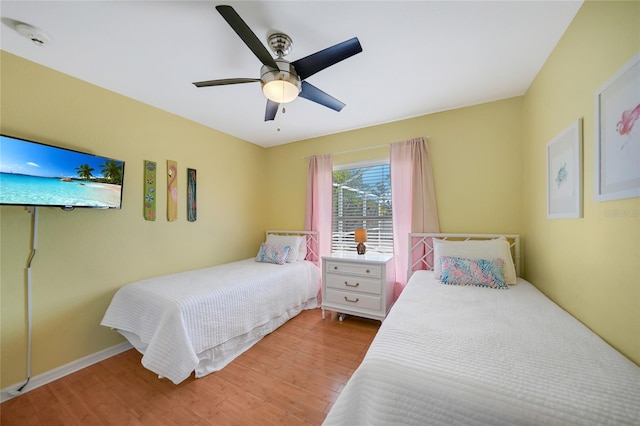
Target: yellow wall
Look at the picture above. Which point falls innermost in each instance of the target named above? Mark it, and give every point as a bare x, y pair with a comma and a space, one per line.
83, 256
589, 266
476, 157
489, 166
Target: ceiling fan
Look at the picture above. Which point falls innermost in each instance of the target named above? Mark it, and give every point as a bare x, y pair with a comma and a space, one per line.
283, 81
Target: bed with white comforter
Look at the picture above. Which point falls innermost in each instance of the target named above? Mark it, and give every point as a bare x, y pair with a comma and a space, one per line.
201, 320
466, 355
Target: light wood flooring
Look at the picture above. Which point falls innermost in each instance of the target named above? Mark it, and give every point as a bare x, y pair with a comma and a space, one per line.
291, 377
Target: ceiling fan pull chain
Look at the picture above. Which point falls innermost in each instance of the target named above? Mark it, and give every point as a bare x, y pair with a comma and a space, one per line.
279, 120
283, 108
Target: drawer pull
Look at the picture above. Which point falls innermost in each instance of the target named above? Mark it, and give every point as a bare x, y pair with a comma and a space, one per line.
346, 299
351, 285
335, 268
367, 271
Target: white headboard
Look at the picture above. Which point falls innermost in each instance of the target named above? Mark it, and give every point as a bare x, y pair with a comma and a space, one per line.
421, 248
312, 242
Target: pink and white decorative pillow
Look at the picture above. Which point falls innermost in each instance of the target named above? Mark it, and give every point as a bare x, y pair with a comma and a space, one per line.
298, 245
476, 249
273, 254
476, 272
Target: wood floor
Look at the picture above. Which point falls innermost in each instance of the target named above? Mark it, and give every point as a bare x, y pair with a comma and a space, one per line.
291, 377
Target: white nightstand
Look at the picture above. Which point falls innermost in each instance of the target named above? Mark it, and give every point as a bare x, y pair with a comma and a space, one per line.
360, 285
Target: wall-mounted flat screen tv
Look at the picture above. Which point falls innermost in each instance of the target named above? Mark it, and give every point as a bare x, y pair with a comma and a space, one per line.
37, 174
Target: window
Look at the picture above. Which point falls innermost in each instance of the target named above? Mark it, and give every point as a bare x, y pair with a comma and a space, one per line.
362, 199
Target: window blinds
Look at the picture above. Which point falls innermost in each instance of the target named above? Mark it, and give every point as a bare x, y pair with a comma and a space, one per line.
362, 199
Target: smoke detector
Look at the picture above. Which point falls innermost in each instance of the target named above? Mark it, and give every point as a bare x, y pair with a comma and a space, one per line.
38, 37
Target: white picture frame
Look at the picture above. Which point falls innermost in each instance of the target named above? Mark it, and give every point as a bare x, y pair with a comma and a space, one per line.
617, 134
564, 174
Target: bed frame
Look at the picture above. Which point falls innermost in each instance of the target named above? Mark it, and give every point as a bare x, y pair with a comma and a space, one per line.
421, 248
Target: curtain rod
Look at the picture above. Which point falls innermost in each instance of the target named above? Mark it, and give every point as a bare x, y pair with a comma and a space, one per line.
353, 150
360, 149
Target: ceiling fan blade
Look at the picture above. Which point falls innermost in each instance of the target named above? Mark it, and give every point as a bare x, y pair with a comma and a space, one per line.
271, 111
244, 32
318, 61
224, 81
312, 93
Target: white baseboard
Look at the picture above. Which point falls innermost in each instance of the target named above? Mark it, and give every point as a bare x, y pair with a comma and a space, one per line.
65, 370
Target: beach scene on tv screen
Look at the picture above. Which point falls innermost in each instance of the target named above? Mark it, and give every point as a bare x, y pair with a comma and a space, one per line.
37, 174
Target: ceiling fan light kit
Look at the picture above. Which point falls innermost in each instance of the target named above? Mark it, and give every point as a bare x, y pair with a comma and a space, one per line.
282, 85
283, 81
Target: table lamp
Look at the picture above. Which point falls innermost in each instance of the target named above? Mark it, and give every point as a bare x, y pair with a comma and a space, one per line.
361, 237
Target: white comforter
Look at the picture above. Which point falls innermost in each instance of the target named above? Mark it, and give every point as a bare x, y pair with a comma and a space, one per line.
200, 320
456, 355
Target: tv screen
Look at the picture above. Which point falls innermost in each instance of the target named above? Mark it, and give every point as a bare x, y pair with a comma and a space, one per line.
37, 174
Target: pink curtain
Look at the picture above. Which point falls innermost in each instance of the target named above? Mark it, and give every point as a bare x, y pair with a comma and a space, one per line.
319, 201
413, 200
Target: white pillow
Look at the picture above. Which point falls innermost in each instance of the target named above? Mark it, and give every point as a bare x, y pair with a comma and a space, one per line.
302, 253
476, 249
295, 242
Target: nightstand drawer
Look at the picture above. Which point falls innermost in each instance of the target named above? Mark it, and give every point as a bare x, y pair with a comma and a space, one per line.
351, 300
354, 283
373, 271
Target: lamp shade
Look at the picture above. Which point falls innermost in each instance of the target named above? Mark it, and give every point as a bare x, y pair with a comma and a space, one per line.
361, 235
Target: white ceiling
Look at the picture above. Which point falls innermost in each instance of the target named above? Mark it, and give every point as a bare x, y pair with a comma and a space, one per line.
419, 57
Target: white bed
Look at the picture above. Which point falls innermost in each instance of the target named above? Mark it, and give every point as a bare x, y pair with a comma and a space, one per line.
467, 355
201, 320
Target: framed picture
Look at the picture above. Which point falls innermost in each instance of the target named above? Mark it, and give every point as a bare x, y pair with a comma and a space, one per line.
617, 134
172, 190
564, 174
149, 200
192, 204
